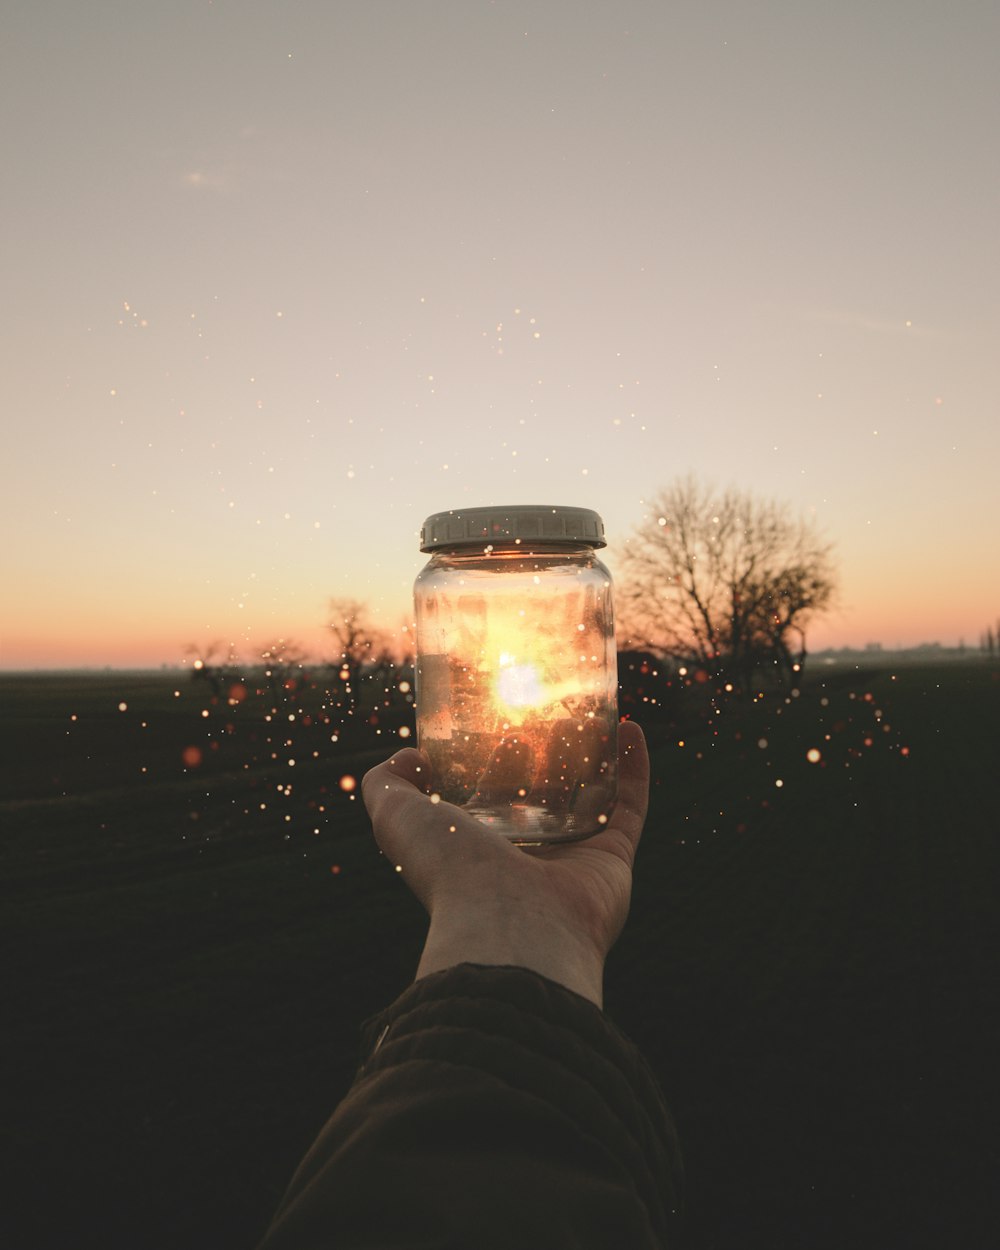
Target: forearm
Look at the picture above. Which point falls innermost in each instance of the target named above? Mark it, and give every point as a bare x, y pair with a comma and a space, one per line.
496, 1110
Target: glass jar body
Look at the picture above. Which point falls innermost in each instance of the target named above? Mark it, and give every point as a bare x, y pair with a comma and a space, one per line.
517, 687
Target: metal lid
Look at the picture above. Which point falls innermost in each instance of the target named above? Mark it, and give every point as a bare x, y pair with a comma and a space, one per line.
477, 527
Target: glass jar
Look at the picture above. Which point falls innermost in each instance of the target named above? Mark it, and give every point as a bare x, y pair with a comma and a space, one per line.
516, 674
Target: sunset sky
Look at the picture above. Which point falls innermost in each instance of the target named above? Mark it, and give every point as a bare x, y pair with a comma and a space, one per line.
280, 279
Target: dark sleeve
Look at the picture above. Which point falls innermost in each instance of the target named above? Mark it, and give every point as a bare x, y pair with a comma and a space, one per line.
497, 1109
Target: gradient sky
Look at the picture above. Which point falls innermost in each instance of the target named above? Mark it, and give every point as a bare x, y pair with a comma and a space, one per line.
280, 279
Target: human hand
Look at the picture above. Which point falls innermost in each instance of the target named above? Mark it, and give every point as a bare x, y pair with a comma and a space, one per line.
556, 909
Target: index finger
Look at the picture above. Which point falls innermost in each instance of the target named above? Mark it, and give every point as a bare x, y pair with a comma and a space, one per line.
393, 791
633, 777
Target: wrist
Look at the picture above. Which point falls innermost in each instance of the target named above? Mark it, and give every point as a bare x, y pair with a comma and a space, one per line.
509, 937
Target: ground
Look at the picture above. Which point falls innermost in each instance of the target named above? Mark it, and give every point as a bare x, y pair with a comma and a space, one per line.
196, 926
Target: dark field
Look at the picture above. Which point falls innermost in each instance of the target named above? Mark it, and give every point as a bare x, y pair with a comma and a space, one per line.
811, 969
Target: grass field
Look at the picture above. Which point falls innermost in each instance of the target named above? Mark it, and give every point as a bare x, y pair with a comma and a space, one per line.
195, 926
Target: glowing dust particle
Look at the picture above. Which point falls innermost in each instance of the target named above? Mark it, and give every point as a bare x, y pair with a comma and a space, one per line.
435, 798
762, 743
122, 707
602, 819
779, 783
399, 867
813, 755
191, 756
404, 731
348, 783
681, 743
335, 869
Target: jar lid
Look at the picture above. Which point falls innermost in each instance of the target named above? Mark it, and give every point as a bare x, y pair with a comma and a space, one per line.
475, 527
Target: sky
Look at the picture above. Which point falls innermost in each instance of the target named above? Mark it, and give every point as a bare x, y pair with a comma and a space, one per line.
282, 279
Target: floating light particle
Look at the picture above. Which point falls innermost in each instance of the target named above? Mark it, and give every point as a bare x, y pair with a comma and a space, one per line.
602, 819
204, 713
404, 731
122, 707
681, 742
191, 756
348, 783
435, 798
779, 783
399, 867
335, 869
762, 743
813, 755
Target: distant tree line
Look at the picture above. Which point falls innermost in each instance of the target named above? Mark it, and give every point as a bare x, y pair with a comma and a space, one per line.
989, 641
365, 683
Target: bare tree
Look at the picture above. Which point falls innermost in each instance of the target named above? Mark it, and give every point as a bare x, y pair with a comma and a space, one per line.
355, 643
726, 580
213, 663
284, 662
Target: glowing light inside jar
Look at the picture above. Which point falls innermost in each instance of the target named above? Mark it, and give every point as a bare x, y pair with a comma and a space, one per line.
518, 685
531, 673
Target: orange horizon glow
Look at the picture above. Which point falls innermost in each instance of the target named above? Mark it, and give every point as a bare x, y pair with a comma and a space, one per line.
101, 645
